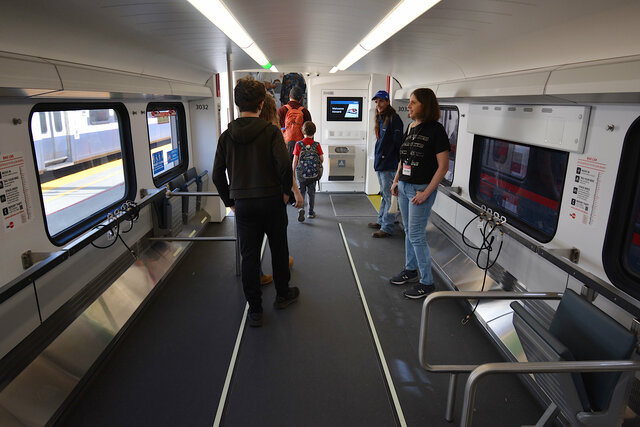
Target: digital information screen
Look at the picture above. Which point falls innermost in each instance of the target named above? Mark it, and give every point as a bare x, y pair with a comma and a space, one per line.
344, 109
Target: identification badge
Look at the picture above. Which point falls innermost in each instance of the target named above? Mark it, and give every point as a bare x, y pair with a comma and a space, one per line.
406, 169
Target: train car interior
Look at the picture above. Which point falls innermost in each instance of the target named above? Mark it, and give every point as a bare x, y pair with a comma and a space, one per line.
121, 298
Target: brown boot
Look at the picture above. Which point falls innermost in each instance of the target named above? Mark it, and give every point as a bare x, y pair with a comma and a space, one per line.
265, 279
380, 234
374, 225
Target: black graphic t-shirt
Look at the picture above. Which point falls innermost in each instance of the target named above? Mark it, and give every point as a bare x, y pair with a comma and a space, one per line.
418, 152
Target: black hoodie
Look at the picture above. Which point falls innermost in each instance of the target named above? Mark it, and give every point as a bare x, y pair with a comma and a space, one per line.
253, 152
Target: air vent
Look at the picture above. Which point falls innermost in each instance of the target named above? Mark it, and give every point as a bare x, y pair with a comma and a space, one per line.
485, 108
511, 109
547, 110
528, 110
497, 108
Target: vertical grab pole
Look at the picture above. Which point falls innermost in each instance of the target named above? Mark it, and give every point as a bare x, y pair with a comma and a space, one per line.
231, 117
451, 396
230, 85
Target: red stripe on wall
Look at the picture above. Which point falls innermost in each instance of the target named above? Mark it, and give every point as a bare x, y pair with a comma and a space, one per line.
541, 200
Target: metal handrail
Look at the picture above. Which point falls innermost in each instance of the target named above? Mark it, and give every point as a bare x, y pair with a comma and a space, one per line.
502, 295
454, 370
532, 368
174, 193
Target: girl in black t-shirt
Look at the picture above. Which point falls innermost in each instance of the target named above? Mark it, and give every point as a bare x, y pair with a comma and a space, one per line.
424, 161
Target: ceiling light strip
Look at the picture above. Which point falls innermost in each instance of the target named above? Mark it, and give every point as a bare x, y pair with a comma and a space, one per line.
216, 12
400, 16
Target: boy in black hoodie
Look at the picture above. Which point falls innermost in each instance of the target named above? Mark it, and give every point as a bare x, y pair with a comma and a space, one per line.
253, 153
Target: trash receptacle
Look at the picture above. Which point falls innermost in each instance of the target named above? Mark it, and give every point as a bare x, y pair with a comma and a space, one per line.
341, 162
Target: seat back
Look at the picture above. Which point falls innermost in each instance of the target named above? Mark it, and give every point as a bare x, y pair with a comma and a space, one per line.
567, 391
590, 334
579, 331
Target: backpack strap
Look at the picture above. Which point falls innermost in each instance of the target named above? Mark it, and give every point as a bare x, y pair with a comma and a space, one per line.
301, 144
288, 107
315, 145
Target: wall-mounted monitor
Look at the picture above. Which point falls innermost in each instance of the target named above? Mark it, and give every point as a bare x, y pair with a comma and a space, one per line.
344, 109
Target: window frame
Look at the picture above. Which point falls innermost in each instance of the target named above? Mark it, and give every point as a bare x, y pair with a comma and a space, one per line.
128, 165
511, 218
621, 216
455, 108
168, 175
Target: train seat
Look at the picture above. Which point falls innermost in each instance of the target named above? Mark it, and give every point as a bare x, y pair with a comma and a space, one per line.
579, 331
189, 203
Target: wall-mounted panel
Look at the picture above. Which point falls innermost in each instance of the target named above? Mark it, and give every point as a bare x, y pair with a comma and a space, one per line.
602, 78
32, 77
85, 79
558, 127
509, 85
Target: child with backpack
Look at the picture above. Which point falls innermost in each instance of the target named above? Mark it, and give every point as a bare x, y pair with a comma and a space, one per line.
307, 166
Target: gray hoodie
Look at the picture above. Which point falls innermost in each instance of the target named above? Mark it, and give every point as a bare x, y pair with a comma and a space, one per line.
255, 156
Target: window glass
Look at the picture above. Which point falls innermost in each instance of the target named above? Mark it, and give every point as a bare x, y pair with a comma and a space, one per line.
632, 250
43, 122
80, 166
167, 142
57, 121
449, 119
522, 182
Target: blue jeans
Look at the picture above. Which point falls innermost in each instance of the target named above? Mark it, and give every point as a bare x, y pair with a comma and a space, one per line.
415, 219
385, 219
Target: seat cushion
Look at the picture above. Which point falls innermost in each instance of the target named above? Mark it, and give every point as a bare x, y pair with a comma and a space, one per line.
590, 334
556, 345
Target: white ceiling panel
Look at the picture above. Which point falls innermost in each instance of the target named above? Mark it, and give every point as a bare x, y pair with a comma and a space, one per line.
454, 40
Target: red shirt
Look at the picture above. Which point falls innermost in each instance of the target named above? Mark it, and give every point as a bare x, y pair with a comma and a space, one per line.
307, 142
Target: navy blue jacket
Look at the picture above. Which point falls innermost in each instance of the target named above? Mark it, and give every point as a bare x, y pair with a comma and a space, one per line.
388, 145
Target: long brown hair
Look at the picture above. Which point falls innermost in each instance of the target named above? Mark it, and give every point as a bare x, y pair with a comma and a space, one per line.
388, 114
430, 107
269, 111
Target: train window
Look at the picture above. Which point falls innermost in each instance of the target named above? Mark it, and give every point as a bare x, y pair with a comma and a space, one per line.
522, 182
57, 121
168, 150
84, 170
449, 119
43, 122
621, 251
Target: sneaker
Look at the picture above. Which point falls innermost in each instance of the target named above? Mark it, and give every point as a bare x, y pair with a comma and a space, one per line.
285, 301
290, 262
301, 215
405, 276
254, 319
312, 214
381, 234
265, 279
419, 291
374, 225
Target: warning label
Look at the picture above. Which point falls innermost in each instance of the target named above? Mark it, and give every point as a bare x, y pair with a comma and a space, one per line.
585, 193
14, 195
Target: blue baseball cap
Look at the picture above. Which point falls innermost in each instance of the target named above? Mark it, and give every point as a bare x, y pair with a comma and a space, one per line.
382, 94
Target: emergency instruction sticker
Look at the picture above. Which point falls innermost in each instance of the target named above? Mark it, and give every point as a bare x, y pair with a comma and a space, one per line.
585, 189
15, 201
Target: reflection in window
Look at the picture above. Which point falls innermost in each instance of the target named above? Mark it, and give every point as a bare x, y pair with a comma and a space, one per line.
165, 124
523, 182
80, 170
632, 249
449, 119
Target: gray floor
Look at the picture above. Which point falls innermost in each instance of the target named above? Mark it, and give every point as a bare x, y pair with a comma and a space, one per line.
312, 364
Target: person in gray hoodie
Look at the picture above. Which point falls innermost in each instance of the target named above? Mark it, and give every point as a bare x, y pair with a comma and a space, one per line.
253, 154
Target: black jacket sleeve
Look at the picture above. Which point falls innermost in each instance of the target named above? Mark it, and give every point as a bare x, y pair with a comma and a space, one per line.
219, 175
398, 132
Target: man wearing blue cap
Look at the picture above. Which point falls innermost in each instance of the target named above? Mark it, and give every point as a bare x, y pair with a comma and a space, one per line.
388, 129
